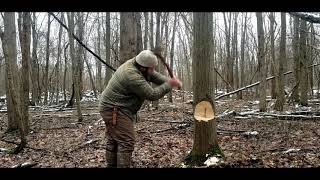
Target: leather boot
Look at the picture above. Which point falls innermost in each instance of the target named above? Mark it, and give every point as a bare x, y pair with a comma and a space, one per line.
124, 160
111, 159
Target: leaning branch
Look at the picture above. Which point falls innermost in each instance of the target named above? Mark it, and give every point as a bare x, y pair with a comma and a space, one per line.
81, 43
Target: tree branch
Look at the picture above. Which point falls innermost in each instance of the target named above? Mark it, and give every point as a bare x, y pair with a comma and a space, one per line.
81, 43
306, 17
255, 84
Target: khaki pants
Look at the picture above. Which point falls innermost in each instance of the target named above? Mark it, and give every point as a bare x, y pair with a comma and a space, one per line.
120, 137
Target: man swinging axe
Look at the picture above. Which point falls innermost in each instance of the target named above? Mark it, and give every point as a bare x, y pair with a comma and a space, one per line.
123, 97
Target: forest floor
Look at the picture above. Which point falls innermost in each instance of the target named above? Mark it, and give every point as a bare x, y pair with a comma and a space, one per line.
165, 136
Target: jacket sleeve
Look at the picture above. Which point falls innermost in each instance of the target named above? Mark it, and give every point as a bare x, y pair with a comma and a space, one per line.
139, 86
158, 78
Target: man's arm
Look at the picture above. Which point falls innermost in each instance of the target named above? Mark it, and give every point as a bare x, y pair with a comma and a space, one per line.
158, 78
138, 85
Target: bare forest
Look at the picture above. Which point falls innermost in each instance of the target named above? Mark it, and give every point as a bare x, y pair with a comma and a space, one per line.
250, 94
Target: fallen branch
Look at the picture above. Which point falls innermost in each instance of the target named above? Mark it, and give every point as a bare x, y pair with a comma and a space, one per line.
178, 122
25, 165
255, 84
84, 145
279, 116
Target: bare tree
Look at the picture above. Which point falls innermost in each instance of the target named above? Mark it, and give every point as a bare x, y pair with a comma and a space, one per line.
75, 65
24, 23
79, 56
128, 36
235, 51
46, 79
205, 134
280, 79
262, 64
155, 104
243, 37
65, 71
8, 39
58, 60
151, 31
90, 74
273, 56
172, 48
35, 89
146, 29
295, 44
229, 59
108, 60
139, 32
98, 63
303, 64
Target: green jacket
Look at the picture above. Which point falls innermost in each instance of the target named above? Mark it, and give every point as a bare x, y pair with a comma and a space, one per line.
128, 89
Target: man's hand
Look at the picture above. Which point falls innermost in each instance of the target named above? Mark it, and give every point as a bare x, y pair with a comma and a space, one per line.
175, 83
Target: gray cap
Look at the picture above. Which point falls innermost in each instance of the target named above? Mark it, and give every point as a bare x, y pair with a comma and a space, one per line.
146, 58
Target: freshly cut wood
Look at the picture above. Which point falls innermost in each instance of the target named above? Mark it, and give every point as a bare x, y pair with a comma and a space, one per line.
204, 111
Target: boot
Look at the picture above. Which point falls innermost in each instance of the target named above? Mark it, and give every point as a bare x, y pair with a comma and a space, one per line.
124, 160
111, 159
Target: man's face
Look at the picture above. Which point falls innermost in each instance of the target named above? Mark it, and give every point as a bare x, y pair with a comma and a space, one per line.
150, 70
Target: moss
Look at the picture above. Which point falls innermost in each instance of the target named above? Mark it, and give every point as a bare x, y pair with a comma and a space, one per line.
198, 160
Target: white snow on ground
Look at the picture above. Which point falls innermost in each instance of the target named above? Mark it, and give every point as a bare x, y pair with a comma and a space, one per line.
253, 133
291, 150
212, 161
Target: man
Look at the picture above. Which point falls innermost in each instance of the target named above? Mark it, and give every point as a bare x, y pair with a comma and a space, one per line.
123, 97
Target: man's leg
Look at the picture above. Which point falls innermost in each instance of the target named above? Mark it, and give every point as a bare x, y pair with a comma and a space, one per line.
126, 139
111, 153
112, 146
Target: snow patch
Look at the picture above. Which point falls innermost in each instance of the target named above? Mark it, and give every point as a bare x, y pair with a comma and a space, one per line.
253, 133
3, 149
212, 161
291, 150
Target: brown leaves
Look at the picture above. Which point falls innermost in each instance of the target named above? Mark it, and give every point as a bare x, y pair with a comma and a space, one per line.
62, 142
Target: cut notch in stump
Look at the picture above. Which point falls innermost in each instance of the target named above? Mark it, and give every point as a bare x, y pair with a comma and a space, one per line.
204, 111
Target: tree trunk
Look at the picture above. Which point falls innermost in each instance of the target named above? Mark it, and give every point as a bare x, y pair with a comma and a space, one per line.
155, 104
90, 74
262, 64
311, 57
303, 64
151, 31
34, 64
205, 130
8, 38
235, 52
172, 48
24, 23
58, 61
273, 56
139, 47
229, 59
75, 65
108, 60
296, 58
280, 80
243, 37
98, 63
65, 72
46, 82
80, 52
128, 36
146, 29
